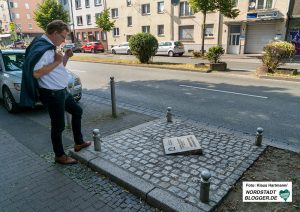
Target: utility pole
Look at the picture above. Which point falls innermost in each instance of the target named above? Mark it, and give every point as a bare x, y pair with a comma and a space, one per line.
74, 39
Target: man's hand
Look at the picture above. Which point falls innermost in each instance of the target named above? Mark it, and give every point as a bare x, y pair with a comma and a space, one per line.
68, 53
58, 57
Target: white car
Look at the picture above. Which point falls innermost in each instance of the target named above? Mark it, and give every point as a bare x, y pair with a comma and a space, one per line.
170, 48
123, 48
11, 63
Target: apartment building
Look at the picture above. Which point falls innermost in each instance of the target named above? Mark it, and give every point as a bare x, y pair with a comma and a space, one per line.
294, 24
162, 19
21, 13
259, 22
84, 13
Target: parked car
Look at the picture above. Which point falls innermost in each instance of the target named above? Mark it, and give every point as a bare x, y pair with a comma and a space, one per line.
170, 48
18, 45
93, 47
76, 47
11, 63
122, 48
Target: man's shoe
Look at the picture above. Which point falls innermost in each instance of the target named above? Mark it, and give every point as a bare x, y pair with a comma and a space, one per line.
78, 147
65, 160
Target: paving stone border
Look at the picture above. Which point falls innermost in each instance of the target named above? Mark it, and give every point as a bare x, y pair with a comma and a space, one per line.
135, 159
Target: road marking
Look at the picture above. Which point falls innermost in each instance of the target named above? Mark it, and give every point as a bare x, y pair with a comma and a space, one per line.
235, 93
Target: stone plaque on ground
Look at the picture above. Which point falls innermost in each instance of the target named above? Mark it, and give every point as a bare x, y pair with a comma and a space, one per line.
182, 145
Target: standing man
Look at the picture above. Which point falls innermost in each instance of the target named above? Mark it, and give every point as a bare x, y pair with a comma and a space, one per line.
45, 76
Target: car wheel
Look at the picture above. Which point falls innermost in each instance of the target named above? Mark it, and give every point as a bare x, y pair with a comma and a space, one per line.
9, 102
171, 54
82, 51
113, 51
129, 52
180, 54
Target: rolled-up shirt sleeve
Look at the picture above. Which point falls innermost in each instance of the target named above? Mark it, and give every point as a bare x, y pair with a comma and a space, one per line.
47, 58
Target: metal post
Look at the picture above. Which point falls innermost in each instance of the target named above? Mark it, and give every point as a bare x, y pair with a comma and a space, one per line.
169, 115
259, 134
204, 187
68, 119
97, 141
113, 97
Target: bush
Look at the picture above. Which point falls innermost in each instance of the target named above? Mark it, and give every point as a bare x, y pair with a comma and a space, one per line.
214, 54
196, 54
143, 46
277, 53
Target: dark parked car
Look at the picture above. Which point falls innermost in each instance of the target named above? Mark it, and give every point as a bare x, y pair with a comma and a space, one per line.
76, 47
93, 47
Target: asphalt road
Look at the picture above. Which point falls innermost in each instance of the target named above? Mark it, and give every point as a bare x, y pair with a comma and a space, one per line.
236, 102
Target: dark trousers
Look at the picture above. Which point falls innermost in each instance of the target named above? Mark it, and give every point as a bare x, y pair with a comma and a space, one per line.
57, 102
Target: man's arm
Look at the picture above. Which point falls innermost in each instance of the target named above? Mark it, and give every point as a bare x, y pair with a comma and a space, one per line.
48, 68
68, 54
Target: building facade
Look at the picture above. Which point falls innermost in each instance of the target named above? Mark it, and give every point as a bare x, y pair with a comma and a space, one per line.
21, 14
83, 15
294, 24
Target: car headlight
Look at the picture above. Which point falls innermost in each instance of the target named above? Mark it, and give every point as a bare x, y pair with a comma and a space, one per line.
17, 86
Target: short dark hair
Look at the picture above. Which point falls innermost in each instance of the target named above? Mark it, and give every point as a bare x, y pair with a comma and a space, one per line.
56, 26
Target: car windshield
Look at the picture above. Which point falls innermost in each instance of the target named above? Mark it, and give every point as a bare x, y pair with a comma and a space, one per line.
13, 61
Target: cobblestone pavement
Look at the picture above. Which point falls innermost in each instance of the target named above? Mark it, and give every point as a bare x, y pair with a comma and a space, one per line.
139, 151
27, 177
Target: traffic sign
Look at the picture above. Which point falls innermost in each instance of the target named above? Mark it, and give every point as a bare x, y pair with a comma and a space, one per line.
12, 26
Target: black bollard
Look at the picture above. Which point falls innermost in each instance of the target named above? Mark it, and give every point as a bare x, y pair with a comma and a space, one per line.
113, 97
169, 114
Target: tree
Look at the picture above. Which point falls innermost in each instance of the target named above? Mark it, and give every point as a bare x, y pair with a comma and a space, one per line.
48, 11
225, 7
104, 23
143, 46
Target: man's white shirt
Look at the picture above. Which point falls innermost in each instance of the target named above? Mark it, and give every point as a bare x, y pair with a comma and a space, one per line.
58, 77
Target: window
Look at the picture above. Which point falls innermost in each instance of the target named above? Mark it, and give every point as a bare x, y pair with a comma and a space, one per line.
209, 30
78, 35
78, 4
186, 32
97, 36
128, 2
116, 31
114, 13
13, 16
160, 30
63, 2
146, 29
145, 9
28, 16
27, 6
185, 9
87, 3
11, 4
79, 20
103, 35
88, 19
84, 38
29, 26
97, 15
260, 4
129, 21
97, 2
160, 7
17, 16
16, 5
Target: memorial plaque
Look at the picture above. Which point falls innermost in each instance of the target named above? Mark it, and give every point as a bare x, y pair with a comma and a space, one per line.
182, 145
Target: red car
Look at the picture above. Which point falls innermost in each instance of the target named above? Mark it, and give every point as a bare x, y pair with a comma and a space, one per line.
92, 47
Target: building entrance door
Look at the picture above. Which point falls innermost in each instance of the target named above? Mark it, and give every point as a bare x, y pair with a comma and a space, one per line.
234, 39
